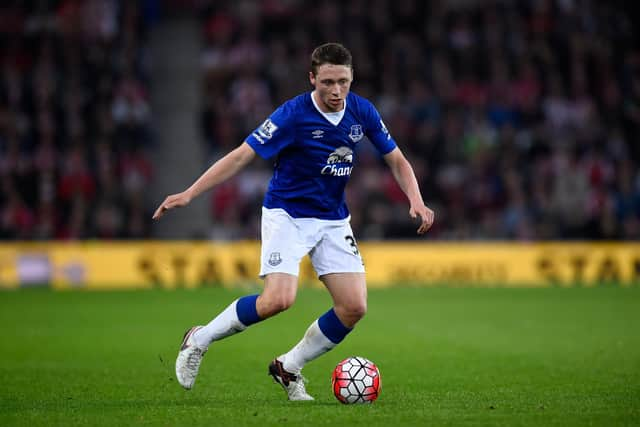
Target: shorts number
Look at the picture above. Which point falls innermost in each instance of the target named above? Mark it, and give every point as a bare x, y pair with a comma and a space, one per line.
352, 243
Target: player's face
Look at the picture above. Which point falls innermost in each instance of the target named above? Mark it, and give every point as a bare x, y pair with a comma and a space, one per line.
332, 83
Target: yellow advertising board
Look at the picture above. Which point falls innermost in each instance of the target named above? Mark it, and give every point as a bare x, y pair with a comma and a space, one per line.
504, 264
114, 265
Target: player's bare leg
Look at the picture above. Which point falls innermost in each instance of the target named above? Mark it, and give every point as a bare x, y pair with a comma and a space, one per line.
279, 294
349, 293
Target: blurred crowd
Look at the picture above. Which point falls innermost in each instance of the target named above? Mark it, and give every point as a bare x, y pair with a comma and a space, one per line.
74, 119
519, 117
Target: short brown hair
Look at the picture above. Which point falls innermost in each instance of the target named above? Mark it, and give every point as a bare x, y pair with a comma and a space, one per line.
330, 53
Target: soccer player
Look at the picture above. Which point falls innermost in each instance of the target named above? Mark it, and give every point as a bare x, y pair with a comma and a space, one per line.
312, 138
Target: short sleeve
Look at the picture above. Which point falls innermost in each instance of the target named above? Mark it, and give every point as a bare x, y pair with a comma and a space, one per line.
275, 133
377, 132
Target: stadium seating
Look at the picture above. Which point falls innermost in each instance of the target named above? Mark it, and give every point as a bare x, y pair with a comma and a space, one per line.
74, 120
519, 117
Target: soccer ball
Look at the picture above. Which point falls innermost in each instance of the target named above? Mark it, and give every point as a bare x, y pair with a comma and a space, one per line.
356, 380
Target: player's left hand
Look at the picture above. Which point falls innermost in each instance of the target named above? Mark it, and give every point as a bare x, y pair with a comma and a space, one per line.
426, 215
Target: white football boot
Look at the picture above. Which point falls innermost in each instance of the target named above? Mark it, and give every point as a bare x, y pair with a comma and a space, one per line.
189, 358
293, 384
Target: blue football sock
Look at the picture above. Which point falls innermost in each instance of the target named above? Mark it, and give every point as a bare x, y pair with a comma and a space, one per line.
332, 327
247, 310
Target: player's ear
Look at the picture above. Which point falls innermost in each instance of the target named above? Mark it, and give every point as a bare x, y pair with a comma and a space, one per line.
312, 78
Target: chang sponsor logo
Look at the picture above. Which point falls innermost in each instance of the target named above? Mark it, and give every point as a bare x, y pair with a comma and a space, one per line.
339, 163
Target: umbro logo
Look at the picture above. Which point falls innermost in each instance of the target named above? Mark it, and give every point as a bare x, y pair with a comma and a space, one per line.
317, 134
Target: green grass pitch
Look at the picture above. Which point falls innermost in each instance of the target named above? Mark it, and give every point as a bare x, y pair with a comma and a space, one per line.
507, 357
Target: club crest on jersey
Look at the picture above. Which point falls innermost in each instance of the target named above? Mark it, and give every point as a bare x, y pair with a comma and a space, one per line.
274, 259
339, 162
265, 131
356, 133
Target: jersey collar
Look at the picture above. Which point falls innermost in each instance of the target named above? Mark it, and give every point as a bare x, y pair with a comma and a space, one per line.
333, 118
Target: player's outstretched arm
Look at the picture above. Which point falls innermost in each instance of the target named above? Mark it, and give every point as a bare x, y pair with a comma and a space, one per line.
403, 173
220, 171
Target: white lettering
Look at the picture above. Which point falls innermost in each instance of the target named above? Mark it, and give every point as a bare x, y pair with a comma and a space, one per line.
256, 136
333, 170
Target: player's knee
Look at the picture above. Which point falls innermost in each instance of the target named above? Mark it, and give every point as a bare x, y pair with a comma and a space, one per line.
282, 303
355, 310
359, 310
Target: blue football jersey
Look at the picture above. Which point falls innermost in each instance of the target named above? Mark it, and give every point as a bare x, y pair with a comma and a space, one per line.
313, 157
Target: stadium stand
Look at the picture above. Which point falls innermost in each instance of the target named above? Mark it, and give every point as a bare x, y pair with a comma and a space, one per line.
74, 120
519, 116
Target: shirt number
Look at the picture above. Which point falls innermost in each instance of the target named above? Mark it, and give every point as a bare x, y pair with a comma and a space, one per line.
352, 243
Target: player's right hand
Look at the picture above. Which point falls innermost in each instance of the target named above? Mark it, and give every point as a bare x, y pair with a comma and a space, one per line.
172, 201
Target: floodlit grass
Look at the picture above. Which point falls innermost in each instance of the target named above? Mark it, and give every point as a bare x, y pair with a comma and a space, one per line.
508, 357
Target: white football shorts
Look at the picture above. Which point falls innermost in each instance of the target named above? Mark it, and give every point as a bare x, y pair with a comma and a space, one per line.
286, 240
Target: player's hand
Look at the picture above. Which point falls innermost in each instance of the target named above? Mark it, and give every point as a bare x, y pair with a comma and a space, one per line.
425, 214
172, 201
